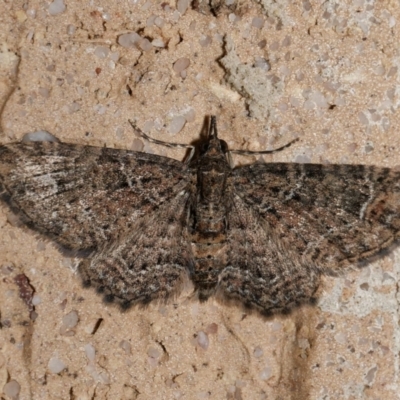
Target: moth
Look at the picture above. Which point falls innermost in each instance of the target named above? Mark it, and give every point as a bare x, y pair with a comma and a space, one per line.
261, 235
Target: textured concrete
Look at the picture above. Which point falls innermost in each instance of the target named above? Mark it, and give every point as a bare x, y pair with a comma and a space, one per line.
270, 71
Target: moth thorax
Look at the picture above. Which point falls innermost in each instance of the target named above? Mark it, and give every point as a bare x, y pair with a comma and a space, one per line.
211, 184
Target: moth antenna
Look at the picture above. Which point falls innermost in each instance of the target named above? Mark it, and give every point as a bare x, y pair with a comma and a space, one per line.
162, 143
250, 152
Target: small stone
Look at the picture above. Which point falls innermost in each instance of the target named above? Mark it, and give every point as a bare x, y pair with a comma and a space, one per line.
137, 145
307, 5
71, 319
190, 115
69, 322
114, 56
309, 105
212, 328
12, 389
57, 7
101, 51
181, 64
158, 43
380, 70
6, 269
159, 22
21, 16
262, 63
362, 118
39, 136
319, 99
258, 352
205, 40
369, 147
182, 5
153, 353
262, 43
74, 107
90, 352
71, 29
31, 13
257, 22
287, 41
266, 373
341, 338
303, 343
370, 376
232, 17
33, 315
126, 346
202, 340
150, 20
145, 44
176, 125
56, 365
36, 300
129, 40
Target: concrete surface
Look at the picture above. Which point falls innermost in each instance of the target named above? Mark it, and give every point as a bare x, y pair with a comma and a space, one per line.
327, 72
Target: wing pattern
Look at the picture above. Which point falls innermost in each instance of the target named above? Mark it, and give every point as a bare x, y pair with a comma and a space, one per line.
290, 223
329, 215
261, 235
83, 196
128, 209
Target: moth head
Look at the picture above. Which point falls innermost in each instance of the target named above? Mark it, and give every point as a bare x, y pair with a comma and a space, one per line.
213, 147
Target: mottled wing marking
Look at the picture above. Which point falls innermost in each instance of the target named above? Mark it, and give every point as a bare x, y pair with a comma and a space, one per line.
151, 262
327, 216
83, 196
261, 234
263, 272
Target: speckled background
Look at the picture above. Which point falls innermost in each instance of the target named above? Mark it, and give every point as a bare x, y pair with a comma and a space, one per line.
327, 72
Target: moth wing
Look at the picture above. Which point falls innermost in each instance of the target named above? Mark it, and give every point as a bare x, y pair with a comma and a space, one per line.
153, 262
327, 215
263, 272
289, 223
84, 197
